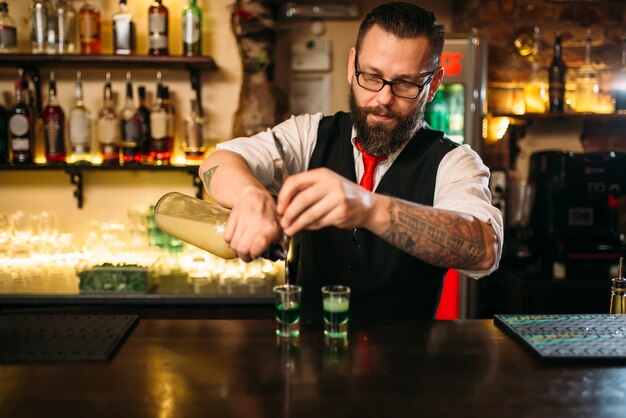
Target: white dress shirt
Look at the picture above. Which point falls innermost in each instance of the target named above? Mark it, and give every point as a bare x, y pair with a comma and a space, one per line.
462, 182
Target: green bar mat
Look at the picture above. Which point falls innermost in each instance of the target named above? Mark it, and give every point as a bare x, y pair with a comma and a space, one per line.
62, 338
593, 337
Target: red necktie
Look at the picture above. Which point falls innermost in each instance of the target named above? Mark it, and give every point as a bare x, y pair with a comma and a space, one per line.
369, 163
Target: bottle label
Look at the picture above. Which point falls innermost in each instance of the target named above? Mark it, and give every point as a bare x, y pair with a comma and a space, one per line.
8, 37
194, 136
131, 130
107, 131
39, 24
89, 28
20, 144
158, 24
160, 125
80, 131
54, 137
191, 28
19, 125
122, 32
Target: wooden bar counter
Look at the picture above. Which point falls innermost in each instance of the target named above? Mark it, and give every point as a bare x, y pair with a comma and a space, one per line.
237, 368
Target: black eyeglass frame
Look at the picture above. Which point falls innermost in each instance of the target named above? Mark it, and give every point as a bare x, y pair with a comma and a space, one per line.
391, 84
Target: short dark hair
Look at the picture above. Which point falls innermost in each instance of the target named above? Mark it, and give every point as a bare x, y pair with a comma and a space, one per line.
405, 20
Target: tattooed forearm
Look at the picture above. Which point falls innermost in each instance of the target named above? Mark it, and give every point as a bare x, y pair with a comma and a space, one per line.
439, 237
207, 176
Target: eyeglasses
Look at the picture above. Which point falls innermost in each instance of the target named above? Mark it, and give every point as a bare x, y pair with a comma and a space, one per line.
400, 88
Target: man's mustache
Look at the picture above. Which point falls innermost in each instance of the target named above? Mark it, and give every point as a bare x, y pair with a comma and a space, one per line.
381, 111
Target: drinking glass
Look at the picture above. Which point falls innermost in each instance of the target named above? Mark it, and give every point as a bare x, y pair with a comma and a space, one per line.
287, 304
336, 303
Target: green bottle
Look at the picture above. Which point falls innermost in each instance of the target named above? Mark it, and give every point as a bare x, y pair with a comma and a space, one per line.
192, 29
437, 112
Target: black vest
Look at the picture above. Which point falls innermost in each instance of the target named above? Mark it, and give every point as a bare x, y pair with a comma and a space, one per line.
385, 282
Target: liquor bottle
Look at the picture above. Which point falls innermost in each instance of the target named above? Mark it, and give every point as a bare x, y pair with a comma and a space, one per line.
67, 33
4, 135
161, 127
618, 291
89, 28
556, 79
143, 113
158, 29
20, 127
536, 90
108, 127
587, 81
192, 29
123, 31
80, 125
54, 126
8, 30
194, 146
39, 16
437, 113
130, 128
619, 83
456, 108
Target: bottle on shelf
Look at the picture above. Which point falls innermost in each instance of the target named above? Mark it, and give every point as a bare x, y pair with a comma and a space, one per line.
536, 90
67, 31
619, 83
194, 145
618, 291
40, 12
8, 30
54, 126
158, 29
556, 78
162, 128
130, 128
456, 109
143, 113
587, 88
4, 135
108, 127
80, 126
123, 30
21, 127
192, 29
89, 28
437, 112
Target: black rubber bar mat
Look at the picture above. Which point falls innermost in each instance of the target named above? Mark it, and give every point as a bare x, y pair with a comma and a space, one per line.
62, 338
594, 337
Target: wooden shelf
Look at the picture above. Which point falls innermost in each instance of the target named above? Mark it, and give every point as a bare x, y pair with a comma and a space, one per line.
564, 116
135, 61
75, 171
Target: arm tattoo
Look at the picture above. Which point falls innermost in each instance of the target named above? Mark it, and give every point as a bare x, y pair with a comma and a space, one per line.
436, 236
207, 176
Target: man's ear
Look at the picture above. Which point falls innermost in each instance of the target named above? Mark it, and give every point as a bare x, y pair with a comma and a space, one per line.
435, 83
351, 68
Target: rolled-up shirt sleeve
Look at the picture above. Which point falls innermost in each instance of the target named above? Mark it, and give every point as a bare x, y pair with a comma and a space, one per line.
462, 185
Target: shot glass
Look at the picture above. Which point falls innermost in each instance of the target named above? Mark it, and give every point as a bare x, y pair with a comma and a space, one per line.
287, 307
336, 303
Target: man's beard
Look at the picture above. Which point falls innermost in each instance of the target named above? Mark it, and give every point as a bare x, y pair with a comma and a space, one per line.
378, 138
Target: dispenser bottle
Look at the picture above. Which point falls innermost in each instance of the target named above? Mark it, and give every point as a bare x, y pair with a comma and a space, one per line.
618, 291
200, 223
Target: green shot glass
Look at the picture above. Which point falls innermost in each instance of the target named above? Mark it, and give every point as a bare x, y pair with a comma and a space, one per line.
287, 307
336, 303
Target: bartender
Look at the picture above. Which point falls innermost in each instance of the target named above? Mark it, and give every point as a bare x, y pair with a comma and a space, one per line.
377, 199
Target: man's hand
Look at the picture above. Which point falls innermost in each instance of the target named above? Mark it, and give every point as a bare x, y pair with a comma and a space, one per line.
253, 224
318, 198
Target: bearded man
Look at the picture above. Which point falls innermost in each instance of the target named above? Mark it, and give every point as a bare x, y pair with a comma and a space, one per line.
379, 201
